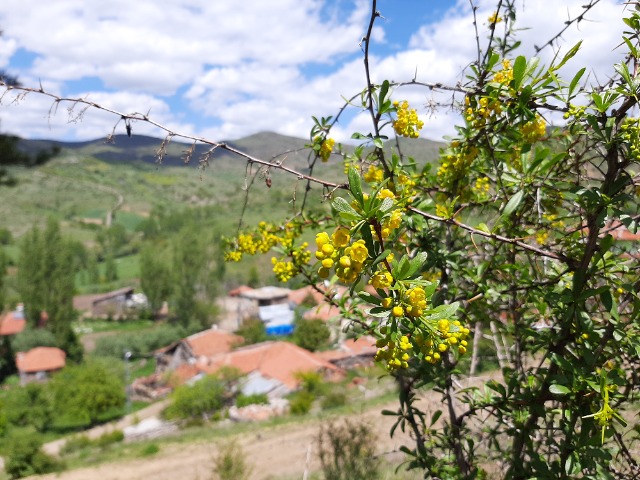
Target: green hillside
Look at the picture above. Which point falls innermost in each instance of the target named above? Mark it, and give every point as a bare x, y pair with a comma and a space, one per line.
88, 180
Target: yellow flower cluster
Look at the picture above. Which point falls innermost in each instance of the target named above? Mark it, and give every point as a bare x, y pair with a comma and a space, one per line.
534, 130
575, 111
541, 237
482, 186
431, 347
326, 147
260, 241
478, 112
505, 75
448, 334
374, 174
395, 354
428, 340
381, 279
456, 162
265, 237
552, 218
407, 123
283, 269
335, 252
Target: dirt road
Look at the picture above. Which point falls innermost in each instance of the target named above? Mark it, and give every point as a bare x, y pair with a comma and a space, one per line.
276, 453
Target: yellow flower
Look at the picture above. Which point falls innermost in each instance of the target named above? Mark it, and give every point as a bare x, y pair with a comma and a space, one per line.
322, 239
341, 237
359, 251
494, 18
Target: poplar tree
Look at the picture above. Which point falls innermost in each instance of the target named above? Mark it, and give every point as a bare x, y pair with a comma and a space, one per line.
46, 284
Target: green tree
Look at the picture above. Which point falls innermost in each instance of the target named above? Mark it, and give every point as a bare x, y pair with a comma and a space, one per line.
194, 286
155, 276
86, 394
46, 284
311, 334
30, 405
32, 337
24, 457
110, 268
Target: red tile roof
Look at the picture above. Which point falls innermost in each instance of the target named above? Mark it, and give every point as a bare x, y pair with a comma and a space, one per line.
278, 360
40, 359
212, 342
239, 290
299, 295
619, 232
182, 373
12, 323
365, 345
324, 312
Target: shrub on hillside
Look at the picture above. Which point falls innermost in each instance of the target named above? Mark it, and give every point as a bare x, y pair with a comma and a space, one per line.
86, 394
200, 400
140, 343
231, 463
311, 334
253, 331
300, 403
32, 337
255, 399
24, 457
347, 451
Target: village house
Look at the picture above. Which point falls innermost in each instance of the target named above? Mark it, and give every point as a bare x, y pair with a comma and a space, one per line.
271, 305
352, 353
39, 363
12, 323
271, 368
117, 304
196, 347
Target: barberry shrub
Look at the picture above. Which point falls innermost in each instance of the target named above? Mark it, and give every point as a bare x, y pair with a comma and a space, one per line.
347, 451
512, 235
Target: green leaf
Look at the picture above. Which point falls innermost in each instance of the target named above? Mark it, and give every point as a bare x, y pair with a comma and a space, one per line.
519, 67
377, 141
442, 311
483, 228
513, 203
558, 389
417, 262
378, 312
401, 269
384, 89
369, 298
497, 387
436, 415
569, 55
494, 58
341, 205
355, 186
623, 70
386, 205
381, 257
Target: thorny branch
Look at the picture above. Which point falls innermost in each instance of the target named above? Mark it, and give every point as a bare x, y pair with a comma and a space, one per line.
136, 116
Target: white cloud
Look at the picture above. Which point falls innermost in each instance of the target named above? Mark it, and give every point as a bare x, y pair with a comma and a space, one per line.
255, 65
7, 49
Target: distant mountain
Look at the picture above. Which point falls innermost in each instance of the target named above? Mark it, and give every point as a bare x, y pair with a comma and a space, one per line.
264, 145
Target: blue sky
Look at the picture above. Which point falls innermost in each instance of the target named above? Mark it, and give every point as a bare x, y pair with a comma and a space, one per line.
224, 70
